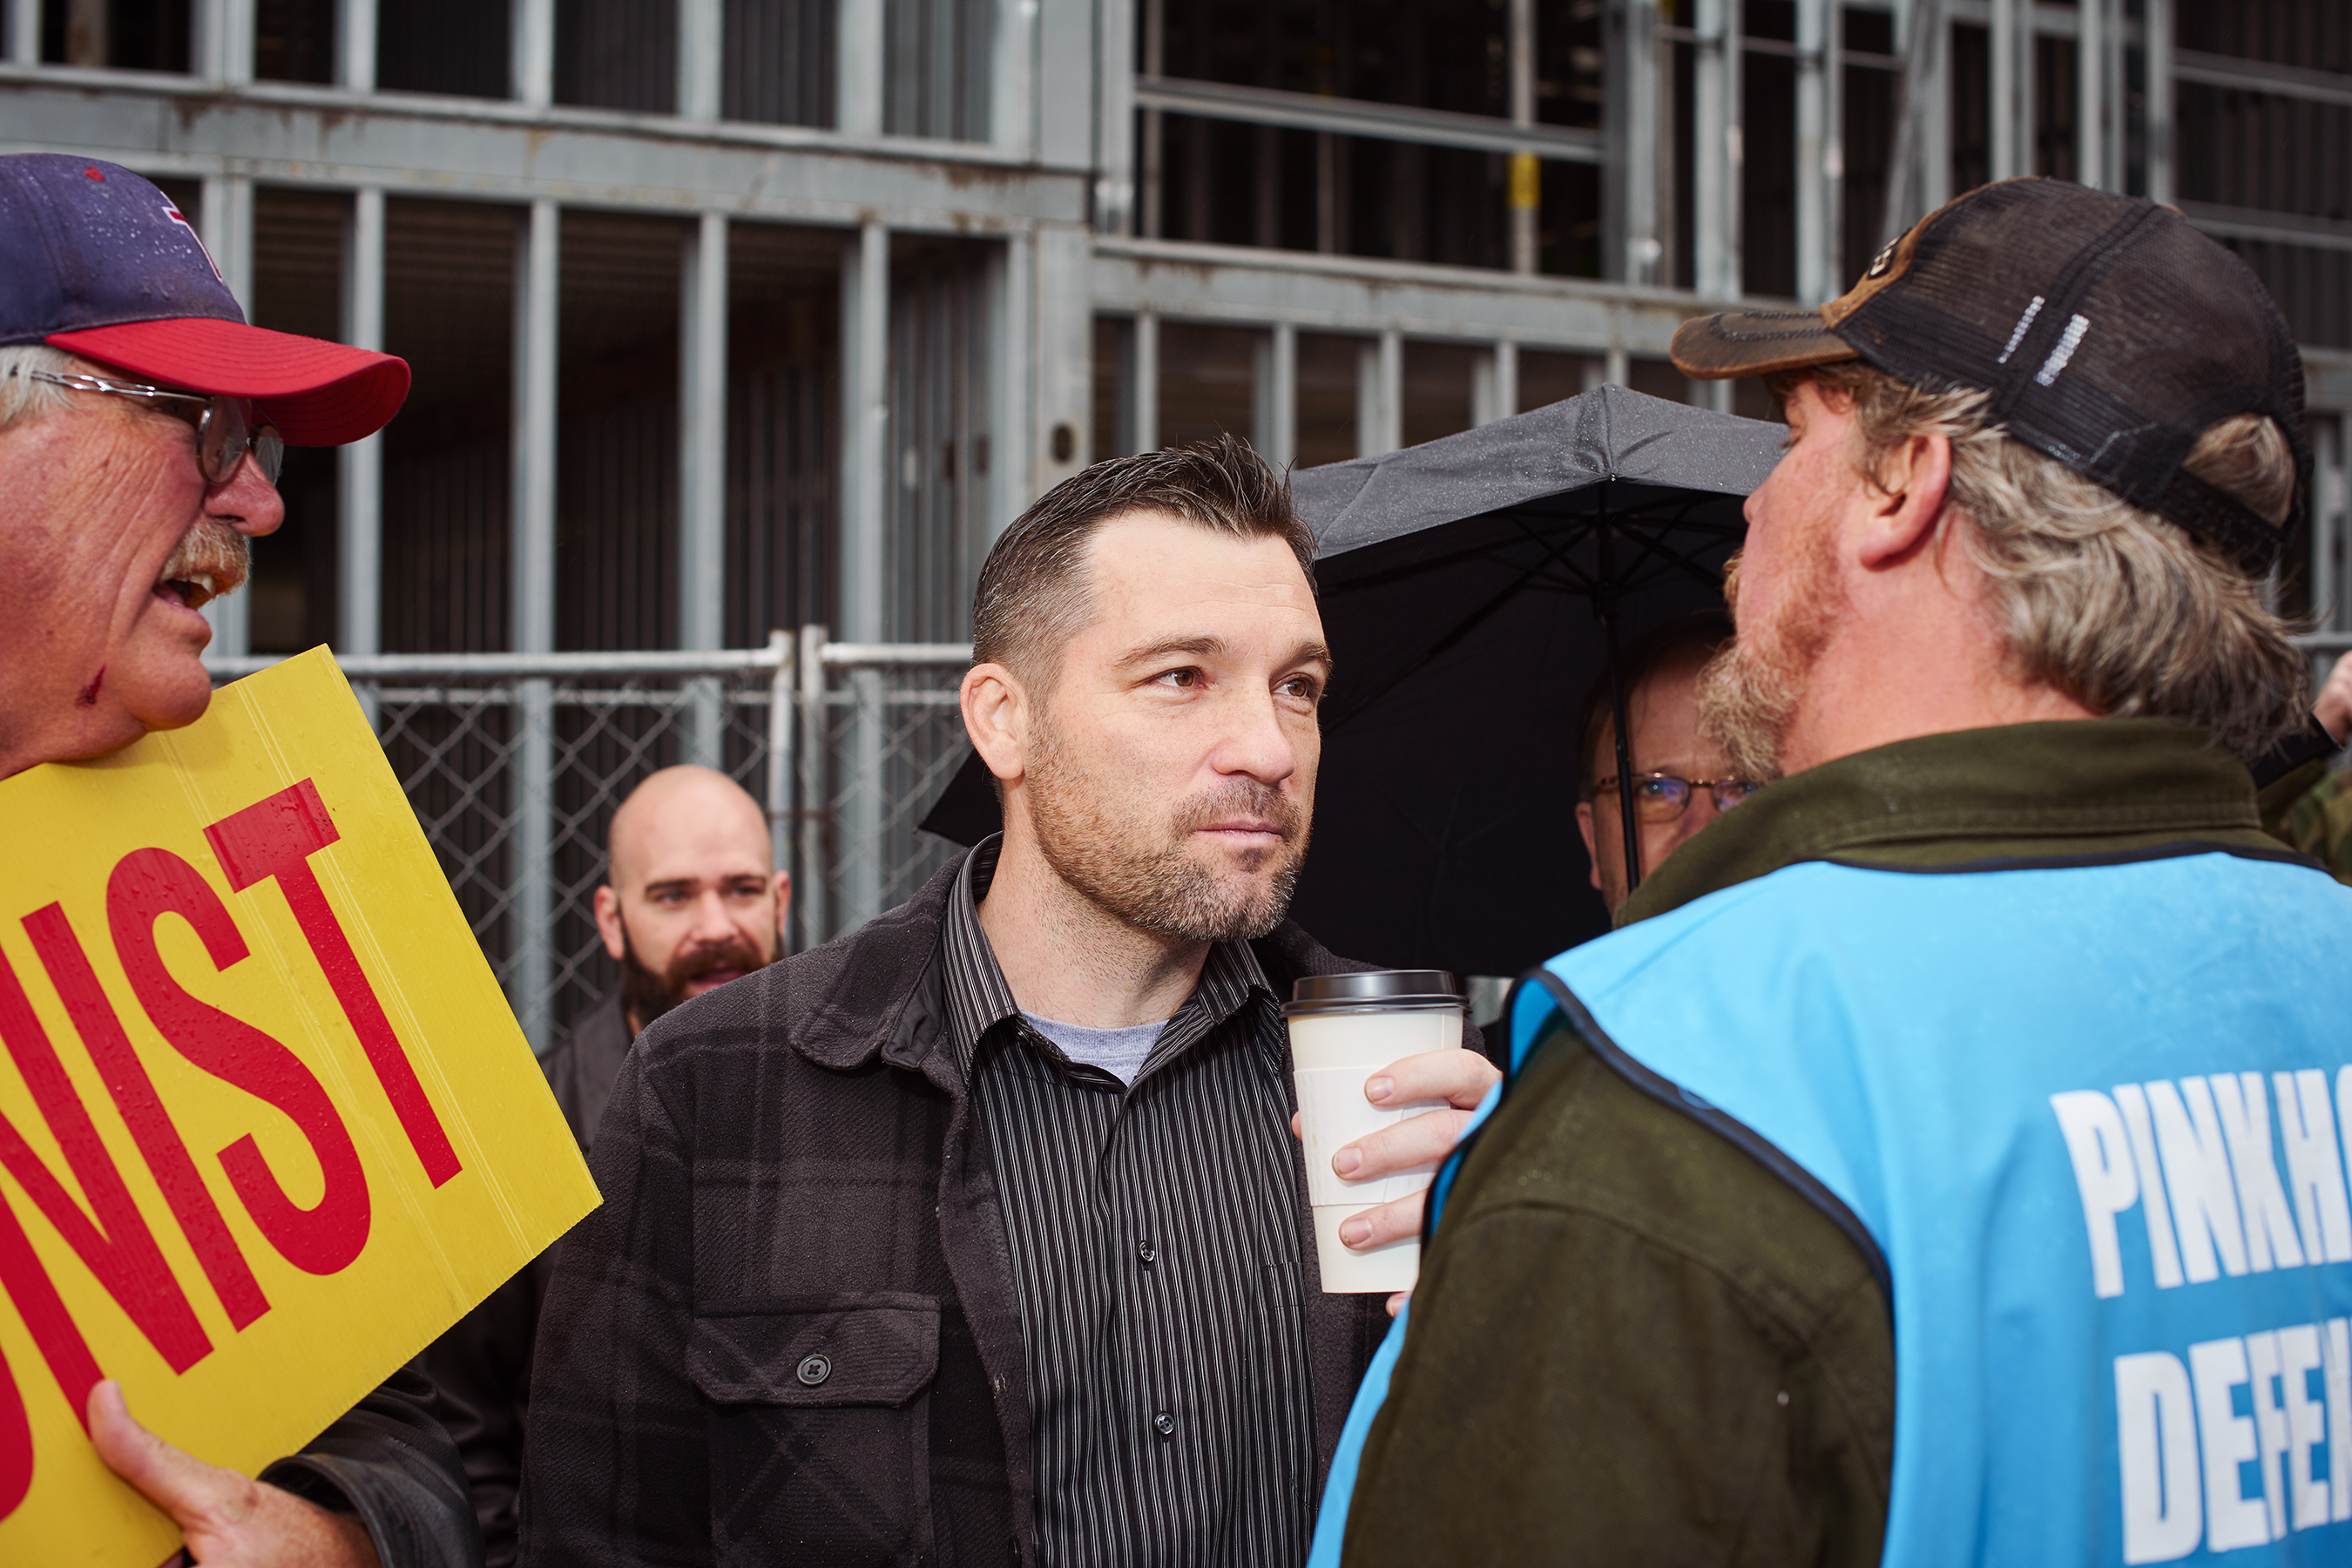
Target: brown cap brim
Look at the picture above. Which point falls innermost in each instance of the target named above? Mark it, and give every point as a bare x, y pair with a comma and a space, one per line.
1756, 342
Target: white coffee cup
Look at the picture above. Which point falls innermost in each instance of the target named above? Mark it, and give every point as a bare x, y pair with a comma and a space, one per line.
1343, 1029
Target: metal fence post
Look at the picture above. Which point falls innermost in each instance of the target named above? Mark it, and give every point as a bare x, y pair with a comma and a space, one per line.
779, 759
702, 474
532, 845
813, 894
533, 904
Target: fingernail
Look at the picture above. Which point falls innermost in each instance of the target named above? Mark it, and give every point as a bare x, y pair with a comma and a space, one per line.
1377, 1089
1346, 1159
1356, 1232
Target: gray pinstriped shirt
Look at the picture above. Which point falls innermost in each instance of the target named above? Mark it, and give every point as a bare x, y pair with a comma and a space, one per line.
1154, 1233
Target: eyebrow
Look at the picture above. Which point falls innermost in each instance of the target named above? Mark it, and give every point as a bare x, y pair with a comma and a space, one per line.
688, 884
1209, 646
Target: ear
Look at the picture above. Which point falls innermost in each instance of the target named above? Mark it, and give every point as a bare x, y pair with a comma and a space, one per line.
996, 717
783, 904
1591, 843
608, 922
1917, 478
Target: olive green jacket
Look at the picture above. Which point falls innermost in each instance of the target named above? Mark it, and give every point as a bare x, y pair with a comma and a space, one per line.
1631, 1341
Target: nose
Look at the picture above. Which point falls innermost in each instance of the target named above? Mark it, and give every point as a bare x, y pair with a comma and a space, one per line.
248, 502
1256, 743
711, 924
1695, 816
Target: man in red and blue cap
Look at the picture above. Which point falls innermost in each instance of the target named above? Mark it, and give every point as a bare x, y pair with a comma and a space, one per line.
142, 422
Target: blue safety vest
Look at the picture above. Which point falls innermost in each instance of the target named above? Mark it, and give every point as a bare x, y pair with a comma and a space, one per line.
2092, 1122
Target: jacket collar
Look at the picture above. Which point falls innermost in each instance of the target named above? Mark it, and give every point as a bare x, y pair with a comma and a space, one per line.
878, 993
2067, 787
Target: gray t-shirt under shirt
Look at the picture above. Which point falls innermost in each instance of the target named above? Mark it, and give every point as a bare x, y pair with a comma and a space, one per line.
1118, 1052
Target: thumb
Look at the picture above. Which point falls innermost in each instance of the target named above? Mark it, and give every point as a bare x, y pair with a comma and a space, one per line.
172, 1479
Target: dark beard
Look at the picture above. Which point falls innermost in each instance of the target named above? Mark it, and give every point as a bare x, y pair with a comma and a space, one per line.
645, 995
1093, 847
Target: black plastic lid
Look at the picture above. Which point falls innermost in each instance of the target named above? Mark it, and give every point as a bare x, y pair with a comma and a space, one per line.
1375, 988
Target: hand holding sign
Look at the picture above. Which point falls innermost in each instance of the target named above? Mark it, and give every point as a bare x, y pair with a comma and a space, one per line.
230, 1520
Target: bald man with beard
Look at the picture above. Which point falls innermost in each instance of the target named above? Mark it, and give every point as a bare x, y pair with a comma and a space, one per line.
690, 902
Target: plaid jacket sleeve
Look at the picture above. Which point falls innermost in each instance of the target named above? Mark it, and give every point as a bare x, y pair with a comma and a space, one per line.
614, 1467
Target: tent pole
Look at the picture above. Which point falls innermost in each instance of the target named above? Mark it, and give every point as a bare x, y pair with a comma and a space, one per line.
1605, 601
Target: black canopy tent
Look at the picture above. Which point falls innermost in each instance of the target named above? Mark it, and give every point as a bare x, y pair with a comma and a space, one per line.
1471, 589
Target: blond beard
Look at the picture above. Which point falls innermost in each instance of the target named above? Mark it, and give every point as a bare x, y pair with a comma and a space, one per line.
1751, 693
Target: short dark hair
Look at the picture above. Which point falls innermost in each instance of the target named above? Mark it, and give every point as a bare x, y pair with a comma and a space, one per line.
1700, 634
1033, 595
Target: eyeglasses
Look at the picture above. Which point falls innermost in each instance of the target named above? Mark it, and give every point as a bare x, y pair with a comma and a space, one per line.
224, 424
1661, 798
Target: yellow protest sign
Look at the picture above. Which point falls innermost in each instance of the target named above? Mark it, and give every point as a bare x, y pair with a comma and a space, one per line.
267, 1125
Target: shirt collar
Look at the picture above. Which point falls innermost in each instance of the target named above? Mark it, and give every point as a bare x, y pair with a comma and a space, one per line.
2063, 787
979, 997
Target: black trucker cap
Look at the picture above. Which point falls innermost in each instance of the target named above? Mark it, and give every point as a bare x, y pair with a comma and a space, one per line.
2110, 332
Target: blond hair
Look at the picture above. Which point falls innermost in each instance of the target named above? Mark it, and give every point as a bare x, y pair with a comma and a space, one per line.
2116, 608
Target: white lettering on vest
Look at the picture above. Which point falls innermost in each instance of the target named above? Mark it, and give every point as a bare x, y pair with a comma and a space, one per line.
2163, 1254
2264, 1366
2307, 1424
2097, 1143
2156, 1433
2218, 1367
2197, 1170
2298, 1383
2244, 1108
2307, 1128
2335, 1359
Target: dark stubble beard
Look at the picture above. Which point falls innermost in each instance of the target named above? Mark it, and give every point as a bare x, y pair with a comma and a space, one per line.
1119, 859
1749, 693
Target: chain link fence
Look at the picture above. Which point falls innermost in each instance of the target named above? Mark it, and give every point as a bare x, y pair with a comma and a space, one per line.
514, 764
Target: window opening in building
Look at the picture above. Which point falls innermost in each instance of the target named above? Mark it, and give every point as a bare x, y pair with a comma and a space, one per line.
1327, 376
449, 475
294, 40
456, 47
783, 442
777, 65
618, 53
297, 250
120, 35
938, 55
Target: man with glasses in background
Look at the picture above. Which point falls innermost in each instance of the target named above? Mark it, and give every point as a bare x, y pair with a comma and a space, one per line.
141, 425
1682, 778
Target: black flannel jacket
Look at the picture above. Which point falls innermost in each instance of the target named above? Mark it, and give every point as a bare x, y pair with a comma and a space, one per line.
791, 1334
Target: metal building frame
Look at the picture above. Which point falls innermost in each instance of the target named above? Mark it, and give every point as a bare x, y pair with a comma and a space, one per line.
1057, 186
1068, 165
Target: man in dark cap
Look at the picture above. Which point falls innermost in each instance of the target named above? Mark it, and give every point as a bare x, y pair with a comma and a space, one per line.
142, 422
1941, 1163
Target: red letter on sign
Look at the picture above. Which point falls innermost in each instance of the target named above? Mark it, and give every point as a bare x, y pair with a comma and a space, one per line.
122, 1254
148, 884
142, 1111
276, 837
52, 1327
15, 1443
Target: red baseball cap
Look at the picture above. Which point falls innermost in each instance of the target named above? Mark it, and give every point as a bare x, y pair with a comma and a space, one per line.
97, 261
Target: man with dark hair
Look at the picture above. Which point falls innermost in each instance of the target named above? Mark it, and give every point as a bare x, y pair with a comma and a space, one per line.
1682, 779
142, 422
690, 901
979, 1234
1942, 1163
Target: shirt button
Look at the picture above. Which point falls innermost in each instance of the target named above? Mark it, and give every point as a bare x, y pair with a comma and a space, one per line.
1146, 1251
1164, 1424
813, 1370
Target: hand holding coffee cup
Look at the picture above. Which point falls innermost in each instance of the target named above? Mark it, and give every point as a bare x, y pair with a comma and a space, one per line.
1384, 1091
